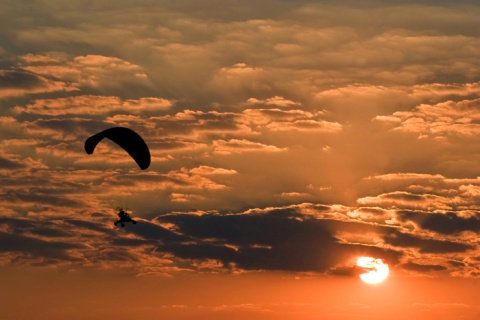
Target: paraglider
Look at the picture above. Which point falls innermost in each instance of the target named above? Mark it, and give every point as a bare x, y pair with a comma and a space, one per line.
123, 218
132, 143
126, 138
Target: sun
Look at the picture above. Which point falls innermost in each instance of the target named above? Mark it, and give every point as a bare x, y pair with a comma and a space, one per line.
375, 270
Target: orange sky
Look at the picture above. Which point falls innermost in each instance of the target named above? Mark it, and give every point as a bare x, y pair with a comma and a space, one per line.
273, 295
288, 138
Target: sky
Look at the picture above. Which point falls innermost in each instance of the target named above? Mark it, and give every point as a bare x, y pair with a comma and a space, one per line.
287, 139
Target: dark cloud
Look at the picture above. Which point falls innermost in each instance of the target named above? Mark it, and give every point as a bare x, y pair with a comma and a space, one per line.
123, 242
77, 225
78, 242
36, 247
152, 231
9, 164
40, 196
72, 126
457, 263
400, 239
19, 79
423, 267
50, 228
445, 223
276, 240
18, 82
56, 232
345, 271
269, 239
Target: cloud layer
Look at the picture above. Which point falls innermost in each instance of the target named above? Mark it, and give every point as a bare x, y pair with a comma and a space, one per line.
286, 135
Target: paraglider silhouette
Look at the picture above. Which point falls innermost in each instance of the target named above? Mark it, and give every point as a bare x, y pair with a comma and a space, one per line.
123, 218
126, 138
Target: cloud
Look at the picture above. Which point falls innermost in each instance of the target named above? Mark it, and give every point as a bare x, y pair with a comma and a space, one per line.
372, 215
406, 176
206, 170
239, 146
444, 119
424, 192
239, 80
423, 267
289, 120
6, 163
26, 249
103, 73
404, 199
426, 245
273, 239
293, 195
19, 83
307, 125
308, 237
437, 91
273, 101
184, 179
93, 105
48, 58
293, 51
181, 197
445, 223
244, 107
73, 242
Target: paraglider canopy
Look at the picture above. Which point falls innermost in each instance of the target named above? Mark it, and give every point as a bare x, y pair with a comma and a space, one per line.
126, 138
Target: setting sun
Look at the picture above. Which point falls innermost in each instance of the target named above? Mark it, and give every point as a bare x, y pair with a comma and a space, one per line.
375, 270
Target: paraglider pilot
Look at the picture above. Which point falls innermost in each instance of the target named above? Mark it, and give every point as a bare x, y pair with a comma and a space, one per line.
124, 217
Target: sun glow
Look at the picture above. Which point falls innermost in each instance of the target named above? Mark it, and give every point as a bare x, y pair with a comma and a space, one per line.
375, 270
